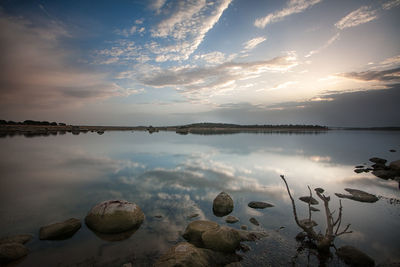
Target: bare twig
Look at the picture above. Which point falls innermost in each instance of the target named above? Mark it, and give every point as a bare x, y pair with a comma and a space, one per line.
293, 204
309, 204
345, 231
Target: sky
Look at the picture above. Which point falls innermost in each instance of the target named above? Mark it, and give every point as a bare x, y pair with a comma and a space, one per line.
170, 62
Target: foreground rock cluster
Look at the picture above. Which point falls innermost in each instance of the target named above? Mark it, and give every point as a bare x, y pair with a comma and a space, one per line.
381, 170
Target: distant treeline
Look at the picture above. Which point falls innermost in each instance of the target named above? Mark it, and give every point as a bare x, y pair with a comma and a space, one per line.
31, 122
256, 126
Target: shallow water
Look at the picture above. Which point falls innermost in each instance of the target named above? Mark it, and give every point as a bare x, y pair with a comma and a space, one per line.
49, 179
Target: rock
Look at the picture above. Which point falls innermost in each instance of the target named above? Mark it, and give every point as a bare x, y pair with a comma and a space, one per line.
379, 166
231, 219
259, 205
392, 150
251, 235
359, 170
244, 247
309, 199
358, 195
194, 231
60, 230
313, 209
359, 167
12, 251
307, 223
223, 239
222, 205
114, 216
158, 216
21, 239
354, 257
254, 221
194, 215
100, 132
385, 174
128, 264
395, 165
378, 160
185, 254
243, 227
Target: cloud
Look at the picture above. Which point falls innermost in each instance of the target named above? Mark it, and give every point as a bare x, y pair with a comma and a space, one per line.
186, 27
212, 57
327, 44
390, 75
249, 45
360, 16
292, 7
390, 4
214, 78
157, 5
36, 71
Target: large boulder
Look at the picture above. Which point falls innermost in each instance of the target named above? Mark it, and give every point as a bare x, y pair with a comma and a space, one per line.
12, 251
223, 239
60, 230
195, 230
114, 217
354, 257
185, 254
358, 195
22, 239
259, 205
222, 204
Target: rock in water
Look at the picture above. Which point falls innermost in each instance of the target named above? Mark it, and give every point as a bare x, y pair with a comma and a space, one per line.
259, 205
254, 221
60, 230
354, 257
194, 231
22, 239
222, 205
309, 199
12, 251
231, 219
395, 165
313, 209
114, 217
378, 160
358, 195
185, 254
223, 239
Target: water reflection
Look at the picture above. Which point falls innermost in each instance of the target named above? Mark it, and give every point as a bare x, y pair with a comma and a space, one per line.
172, 176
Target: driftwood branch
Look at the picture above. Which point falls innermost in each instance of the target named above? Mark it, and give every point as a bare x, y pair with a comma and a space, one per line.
293, 203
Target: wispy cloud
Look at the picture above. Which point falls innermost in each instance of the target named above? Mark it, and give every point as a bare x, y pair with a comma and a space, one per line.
280, 86
195, 80
157, 5
362, 15
251, 44
324, 46
390, 75
292, 7
390, 4
212, 57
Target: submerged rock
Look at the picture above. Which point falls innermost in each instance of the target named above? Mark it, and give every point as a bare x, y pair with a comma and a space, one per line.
114, 217
222, 204
358, 195
194, 215
354, 257
231, 219
259, 205
378, 160
194, 231
12, 251
254, 221
21, 239
185, 254
392, 150
309, 199
395, 165
243, 227
60, 230
223, 239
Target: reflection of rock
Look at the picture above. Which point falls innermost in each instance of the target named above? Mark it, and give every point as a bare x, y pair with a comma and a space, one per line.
22, 239
354, 257
12, 251
186, 254
378, 160
254, 221
259, 205
222, 205
114, 216
116, 237
231, 219
358, 195
309, 199
60, 230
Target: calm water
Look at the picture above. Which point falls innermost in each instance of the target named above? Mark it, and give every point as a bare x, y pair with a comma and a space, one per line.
48, 179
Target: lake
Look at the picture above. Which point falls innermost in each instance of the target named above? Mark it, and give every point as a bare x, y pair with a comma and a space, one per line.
49, 179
